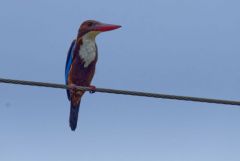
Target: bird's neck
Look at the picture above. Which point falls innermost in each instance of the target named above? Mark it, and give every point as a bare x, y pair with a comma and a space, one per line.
88, 51
88, 38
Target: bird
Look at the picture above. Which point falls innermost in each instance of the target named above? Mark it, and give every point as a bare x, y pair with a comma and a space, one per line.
81, 62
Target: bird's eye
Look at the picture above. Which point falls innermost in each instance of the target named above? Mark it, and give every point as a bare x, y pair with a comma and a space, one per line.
90, 24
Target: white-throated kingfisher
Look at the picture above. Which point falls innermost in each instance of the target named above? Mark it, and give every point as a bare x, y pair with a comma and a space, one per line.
81, 62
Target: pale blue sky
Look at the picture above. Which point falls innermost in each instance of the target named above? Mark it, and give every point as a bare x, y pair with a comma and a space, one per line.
182, 47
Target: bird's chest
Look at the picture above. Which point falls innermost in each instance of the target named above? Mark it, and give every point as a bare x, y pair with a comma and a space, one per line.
88, 52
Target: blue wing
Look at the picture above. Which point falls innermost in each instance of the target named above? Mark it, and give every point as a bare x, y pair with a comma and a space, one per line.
69, 63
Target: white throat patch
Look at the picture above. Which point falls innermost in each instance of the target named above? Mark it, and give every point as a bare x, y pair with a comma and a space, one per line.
88, 49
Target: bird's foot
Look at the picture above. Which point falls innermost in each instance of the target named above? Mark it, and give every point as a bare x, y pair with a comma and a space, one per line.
92, 89
72, 89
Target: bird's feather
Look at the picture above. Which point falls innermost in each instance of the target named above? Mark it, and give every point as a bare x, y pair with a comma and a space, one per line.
69, 63
73, 118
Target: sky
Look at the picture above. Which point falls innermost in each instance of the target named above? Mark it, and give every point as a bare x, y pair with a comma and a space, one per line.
180, 47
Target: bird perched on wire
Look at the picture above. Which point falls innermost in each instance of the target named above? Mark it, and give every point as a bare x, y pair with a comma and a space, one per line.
81, 61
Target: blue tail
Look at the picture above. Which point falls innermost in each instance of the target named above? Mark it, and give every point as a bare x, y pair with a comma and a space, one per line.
73, 118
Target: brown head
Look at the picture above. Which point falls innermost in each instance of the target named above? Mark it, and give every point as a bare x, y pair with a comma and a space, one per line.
95, 27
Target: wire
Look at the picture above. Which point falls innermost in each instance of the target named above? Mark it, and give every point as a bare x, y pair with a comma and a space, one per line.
123, 92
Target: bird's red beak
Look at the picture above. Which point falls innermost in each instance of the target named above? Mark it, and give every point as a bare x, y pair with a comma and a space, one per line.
105, 27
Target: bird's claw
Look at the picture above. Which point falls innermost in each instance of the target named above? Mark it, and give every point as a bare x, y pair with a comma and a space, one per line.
92, 89
72, 88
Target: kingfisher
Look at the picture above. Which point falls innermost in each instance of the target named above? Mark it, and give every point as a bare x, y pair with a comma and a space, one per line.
81, 63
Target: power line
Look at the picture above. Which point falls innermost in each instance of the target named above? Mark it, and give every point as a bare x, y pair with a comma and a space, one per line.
123, 92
